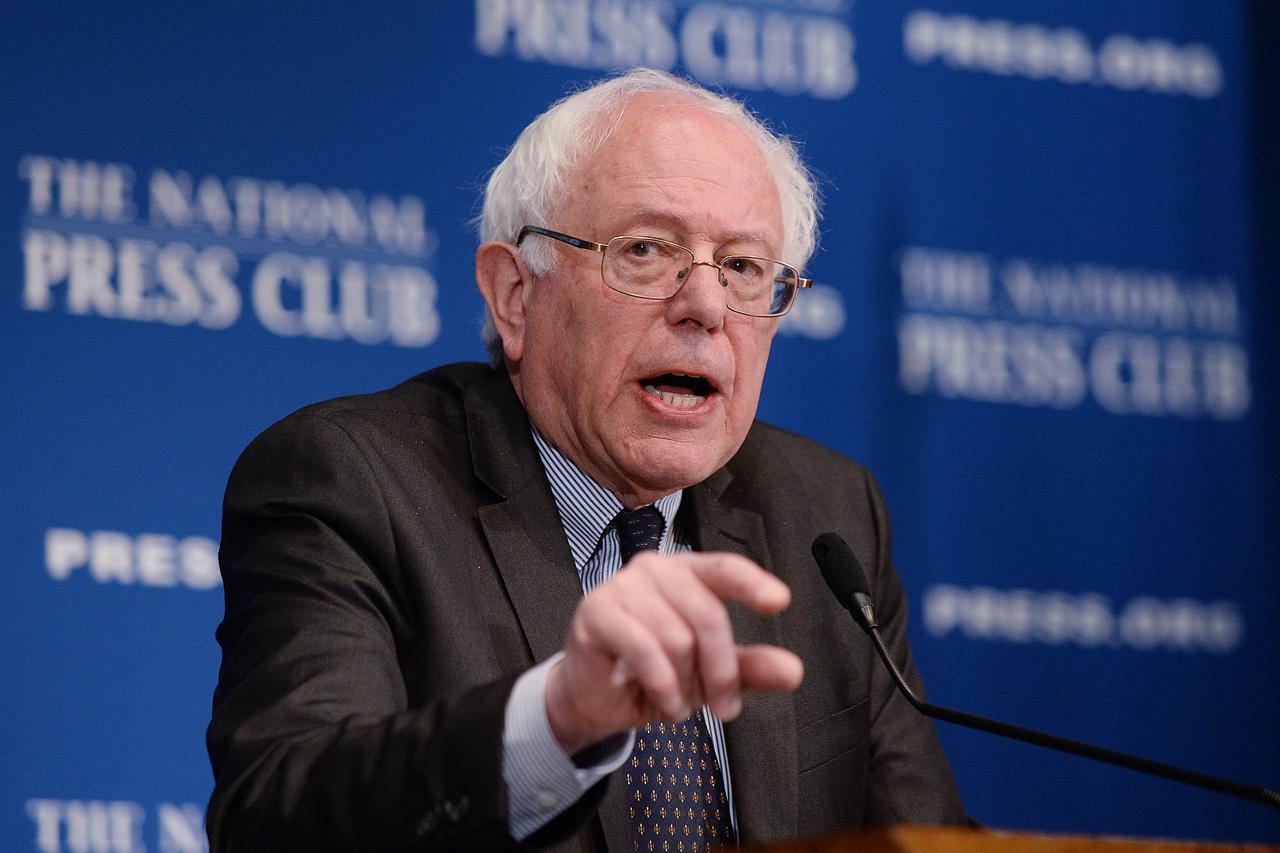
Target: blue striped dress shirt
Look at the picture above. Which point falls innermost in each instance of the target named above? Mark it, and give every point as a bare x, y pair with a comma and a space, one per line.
541, 780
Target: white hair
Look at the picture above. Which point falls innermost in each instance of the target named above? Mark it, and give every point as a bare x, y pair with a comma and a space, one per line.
526, 187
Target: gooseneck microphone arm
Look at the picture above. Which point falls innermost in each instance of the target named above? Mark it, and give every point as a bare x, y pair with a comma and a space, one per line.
844, 574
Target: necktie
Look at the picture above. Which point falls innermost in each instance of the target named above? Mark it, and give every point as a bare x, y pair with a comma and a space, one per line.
675, 792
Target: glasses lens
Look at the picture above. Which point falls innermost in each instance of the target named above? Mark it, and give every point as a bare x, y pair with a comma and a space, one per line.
643, 266
759, 286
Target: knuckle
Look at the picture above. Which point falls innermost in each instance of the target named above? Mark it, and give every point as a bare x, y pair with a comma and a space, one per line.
724, 681
680, 642
580, 632
650, 654
594, 609
709, 617
661, 686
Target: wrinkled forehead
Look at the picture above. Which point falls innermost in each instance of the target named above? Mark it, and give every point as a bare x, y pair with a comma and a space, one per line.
671, 159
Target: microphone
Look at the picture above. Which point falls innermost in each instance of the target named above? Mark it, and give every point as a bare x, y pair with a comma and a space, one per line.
845, 576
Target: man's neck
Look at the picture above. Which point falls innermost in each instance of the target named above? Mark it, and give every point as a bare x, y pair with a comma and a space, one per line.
586, 507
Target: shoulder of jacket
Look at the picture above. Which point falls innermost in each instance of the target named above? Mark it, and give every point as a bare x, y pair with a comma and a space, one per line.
775, 447
437, 392
435, 395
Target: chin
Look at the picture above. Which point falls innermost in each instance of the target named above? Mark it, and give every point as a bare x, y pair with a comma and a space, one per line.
667, 472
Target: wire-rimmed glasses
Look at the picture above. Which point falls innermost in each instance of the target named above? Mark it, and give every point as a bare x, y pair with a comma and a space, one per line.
650, 268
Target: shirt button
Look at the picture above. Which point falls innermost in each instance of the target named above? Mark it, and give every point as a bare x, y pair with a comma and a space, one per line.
547, 799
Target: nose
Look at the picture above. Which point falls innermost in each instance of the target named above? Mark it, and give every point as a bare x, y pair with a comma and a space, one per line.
700, 300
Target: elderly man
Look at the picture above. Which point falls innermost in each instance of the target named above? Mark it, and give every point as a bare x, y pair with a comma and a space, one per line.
409, 656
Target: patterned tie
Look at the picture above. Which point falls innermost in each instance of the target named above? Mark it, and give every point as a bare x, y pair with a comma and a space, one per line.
675, 795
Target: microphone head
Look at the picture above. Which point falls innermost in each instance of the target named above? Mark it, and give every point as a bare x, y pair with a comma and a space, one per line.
841, 568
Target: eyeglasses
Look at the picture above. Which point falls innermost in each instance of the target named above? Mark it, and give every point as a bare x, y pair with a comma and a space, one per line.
649, 268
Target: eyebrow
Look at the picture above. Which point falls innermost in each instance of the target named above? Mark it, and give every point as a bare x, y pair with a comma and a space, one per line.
678, 225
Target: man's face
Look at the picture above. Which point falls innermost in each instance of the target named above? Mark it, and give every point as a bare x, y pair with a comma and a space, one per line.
591, 359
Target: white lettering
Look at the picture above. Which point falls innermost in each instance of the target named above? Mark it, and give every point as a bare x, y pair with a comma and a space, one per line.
945, 281
267, 291
1099, 295
148, 559
293, 296
738, 45
132, 280
171, 203
215, 268
198, 562
64, 550
111, 557
1087, 620
990, 361
89, 288
829, 69
87, 826
1065, 54
181, 828
46, 263
114, 826
82, 190
155, 559
413, 321
955, 341
92, 270
38, 173
1146, 375
633, 34
48, 817
304, 214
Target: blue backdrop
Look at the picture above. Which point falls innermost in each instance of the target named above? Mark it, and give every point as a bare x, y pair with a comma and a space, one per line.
1043, 317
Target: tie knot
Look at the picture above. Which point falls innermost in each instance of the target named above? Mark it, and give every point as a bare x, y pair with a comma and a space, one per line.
639, 530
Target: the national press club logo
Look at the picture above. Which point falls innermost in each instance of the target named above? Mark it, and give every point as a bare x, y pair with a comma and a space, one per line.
799, 48
102, 239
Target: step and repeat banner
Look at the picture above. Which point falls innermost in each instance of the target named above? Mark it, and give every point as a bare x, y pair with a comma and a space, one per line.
1037, 318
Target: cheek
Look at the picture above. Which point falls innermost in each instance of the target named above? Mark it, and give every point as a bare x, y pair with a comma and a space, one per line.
752, 355
595, 345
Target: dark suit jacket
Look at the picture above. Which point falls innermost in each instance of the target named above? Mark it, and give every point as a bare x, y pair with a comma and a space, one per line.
393, 562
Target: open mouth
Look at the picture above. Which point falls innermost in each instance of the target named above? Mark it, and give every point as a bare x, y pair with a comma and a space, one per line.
681, 390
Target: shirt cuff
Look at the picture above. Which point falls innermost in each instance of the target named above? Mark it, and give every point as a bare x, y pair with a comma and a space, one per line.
541, 780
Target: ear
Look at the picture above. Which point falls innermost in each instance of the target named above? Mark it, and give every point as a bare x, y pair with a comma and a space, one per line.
500, 275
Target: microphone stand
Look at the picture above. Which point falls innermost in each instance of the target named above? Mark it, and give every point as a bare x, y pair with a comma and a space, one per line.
1253, 793
847, 579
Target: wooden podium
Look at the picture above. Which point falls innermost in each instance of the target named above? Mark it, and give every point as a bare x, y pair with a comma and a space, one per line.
923, 839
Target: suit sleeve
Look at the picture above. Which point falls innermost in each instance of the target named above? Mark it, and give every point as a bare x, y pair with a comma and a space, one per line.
911, 780
312, 741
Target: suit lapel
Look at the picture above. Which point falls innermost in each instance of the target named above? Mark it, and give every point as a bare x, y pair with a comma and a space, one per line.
523, 530
762, 741
522, 526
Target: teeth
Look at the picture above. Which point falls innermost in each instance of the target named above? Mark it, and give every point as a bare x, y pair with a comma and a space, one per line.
680, 401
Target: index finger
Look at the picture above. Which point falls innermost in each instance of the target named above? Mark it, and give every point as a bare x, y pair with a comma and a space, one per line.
733, 577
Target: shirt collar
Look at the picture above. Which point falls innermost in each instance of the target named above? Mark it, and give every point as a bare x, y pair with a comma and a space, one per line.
587, 508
